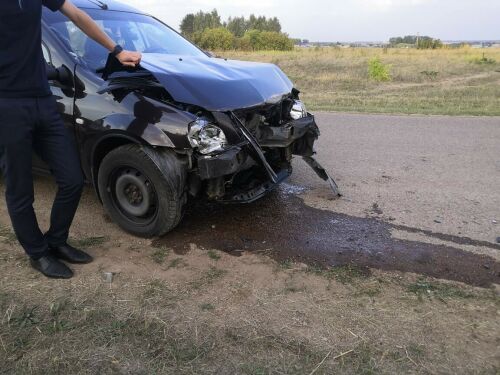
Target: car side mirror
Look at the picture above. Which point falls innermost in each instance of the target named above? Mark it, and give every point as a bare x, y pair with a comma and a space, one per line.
62, 75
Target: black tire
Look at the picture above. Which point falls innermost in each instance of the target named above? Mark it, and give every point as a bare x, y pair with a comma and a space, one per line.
143, 189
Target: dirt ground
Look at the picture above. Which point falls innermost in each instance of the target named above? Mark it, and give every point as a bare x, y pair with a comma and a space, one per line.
401, 275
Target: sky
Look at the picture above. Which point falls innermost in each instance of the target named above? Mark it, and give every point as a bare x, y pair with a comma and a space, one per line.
350, 20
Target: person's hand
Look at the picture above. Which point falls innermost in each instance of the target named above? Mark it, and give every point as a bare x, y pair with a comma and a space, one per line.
129, 58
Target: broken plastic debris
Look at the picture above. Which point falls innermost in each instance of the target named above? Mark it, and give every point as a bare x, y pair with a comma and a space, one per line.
323, 174
108, 277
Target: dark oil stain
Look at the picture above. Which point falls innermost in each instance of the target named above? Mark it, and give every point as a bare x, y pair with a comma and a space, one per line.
283, 226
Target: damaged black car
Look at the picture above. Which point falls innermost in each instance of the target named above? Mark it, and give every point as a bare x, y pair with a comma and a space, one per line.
183, 124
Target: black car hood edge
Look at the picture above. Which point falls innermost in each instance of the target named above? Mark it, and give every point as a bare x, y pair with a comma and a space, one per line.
217, 84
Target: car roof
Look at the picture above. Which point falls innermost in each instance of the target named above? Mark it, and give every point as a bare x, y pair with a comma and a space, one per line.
105, 4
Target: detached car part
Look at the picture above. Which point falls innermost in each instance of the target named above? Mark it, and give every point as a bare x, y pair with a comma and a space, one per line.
182, 125
322, 173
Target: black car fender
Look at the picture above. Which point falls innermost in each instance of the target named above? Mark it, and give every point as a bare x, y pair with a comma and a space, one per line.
140, 128
116, 138
157, 122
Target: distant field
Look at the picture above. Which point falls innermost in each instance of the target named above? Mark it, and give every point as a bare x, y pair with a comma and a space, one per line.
447, 81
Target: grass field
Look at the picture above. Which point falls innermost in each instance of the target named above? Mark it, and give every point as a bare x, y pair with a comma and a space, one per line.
210, 313
445, 81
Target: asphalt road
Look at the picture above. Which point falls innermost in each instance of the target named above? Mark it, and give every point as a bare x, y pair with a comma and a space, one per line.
435, 173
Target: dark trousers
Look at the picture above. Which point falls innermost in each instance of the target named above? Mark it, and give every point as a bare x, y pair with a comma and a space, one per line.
29, 124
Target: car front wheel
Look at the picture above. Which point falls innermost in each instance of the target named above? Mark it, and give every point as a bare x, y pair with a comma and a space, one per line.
143, 189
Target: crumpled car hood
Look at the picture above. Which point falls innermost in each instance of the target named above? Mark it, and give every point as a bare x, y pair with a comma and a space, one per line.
217, 84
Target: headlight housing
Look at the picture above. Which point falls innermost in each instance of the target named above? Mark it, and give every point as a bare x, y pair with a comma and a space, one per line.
206, 137
298, 110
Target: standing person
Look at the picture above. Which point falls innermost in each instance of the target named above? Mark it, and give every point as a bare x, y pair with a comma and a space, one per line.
29, 121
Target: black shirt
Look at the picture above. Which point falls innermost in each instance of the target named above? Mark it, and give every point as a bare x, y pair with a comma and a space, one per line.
22, 66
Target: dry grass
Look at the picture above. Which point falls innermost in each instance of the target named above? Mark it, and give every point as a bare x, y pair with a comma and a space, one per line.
243, 315
447, 81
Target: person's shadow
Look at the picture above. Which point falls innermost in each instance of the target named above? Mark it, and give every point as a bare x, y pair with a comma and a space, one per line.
145, 113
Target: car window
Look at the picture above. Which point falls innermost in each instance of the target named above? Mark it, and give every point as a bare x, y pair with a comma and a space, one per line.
132, 31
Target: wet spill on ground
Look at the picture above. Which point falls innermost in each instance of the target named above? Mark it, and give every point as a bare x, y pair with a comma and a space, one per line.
283, 226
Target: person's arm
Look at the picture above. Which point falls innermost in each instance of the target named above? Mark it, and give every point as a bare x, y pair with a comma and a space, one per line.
83, 21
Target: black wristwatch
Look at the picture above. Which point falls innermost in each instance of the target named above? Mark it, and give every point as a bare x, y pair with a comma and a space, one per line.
117, 50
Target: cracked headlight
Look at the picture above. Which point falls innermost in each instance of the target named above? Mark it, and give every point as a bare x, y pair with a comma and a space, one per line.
298, 110
206, 137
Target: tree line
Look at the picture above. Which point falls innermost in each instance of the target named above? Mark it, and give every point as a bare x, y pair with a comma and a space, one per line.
209, 32
420, 42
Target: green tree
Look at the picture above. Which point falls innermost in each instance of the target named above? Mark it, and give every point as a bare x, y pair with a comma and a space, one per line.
237, 26
187, 25
277, 41
410, 39
420, 42
273, 24
267, 40
197, 23
254, 33
216, 39
253, 39
396, 40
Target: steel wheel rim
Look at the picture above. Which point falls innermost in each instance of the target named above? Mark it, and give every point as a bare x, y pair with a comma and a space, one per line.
133, 195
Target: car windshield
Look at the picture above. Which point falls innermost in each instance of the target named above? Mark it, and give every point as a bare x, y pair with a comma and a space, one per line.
135, 32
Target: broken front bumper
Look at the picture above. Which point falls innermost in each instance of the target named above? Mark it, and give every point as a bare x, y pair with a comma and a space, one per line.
294, 138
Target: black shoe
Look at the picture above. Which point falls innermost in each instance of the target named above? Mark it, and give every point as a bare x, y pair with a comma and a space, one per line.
70, 254
51, 267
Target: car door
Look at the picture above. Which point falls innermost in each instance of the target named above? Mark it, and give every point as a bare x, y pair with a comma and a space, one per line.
64, 95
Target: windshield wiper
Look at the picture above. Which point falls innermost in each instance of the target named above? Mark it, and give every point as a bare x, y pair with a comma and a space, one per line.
100, 4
